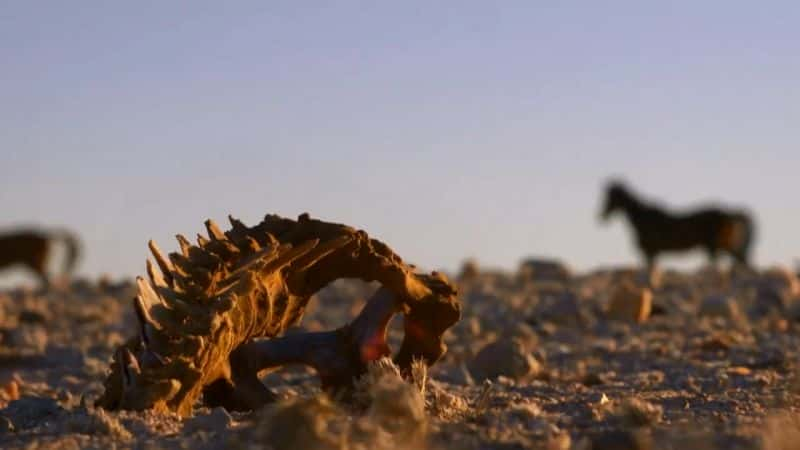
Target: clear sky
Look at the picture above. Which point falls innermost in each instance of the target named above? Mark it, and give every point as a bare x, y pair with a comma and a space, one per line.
447, 129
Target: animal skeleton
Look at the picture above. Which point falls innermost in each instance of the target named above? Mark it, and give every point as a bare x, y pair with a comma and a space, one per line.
211, 317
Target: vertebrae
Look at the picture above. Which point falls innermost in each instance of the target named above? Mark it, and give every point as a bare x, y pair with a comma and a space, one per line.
202, 305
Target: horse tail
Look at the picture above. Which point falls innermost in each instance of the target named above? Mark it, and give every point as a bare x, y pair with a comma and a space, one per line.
73, 247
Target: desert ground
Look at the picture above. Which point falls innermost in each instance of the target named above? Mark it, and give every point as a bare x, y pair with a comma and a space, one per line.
542, 358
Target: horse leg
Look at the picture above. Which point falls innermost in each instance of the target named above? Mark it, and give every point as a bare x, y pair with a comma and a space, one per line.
649, 259
741, 258
38, 264
650, 266
713, 256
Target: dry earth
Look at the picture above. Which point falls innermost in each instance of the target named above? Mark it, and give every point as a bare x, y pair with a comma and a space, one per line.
541, 359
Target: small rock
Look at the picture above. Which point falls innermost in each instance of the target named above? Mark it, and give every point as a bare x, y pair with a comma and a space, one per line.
739, 370
779, 325
218, 419
105, 282
469, 326
595, 378
27, 337
634, 412
651, 377
782, 280
506, 357
716, 343
6, 426
459, 374
469, 270
777, 289
559, 441
719, 306
563, 309
769, 299
793, 311
9, 392
630, 303
525, 411
545, 329
539, 427
541, 269
29, 411
32, 316
522, 332
474, 326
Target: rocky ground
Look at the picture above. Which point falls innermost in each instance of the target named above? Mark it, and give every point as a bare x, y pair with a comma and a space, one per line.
541, 359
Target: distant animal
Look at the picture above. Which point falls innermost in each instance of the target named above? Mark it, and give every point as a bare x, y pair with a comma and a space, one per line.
713, 229
32, 249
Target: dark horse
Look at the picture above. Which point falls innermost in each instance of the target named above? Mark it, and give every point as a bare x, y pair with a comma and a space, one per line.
658, 230
31, 248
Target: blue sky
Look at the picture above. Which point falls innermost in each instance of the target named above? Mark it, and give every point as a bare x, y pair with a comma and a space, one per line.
449, 130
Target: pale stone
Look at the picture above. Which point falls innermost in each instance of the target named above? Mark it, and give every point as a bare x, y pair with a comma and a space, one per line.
630, 303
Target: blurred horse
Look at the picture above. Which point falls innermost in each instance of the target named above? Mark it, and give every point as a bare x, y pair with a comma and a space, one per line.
657, 230
31, 248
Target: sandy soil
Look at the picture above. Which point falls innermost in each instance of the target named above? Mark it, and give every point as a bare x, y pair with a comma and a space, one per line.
536, 362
